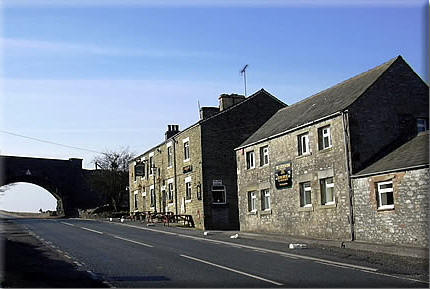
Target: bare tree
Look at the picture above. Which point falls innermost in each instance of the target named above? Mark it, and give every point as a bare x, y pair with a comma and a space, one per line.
111, 176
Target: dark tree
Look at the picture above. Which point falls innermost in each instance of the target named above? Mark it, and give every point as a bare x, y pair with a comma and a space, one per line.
111, 176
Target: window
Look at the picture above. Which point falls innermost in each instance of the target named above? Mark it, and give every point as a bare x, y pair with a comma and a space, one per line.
324, 138
303, 144
188, 188
186, 149
422, 124
265, 199
252, 201
151, 164
250, 160
135, 200
170, 192
152, 192
218, 194
385, 195
305, 194
264, 156
327, 191
169, 156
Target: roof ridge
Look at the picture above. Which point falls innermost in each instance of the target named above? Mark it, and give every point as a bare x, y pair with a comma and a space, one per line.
348, 80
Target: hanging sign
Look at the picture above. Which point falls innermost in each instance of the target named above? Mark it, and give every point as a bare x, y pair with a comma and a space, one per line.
283, 175
139, 169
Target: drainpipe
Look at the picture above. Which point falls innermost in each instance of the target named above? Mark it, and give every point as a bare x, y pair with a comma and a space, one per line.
174, 177
348, 163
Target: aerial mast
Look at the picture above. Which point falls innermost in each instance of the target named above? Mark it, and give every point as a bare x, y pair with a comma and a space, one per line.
243, 71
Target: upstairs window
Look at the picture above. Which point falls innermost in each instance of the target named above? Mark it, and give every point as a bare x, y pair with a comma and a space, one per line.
422, 124
265, 199
385, 195
218, 194
264, 156
186, 150
303, 144
151, 164
252, 201
250, 160
305, 194
169, 156
324, 138
327, 191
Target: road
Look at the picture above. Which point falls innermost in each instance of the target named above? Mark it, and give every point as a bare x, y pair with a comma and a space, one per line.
133, 255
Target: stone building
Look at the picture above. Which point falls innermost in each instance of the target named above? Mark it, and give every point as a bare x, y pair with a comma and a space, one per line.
391, 203
294, 173
193, 171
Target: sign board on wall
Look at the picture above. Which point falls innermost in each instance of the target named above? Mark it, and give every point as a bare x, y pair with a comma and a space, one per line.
283, 175
139, 169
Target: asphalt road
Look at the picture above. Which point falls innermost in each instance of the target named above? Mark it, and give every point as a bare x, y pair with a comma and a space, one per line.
127, 255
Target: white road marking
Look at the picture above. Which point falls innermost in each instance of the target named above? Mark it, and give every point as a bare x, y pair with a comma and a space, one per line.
94, 231
132, 241
233, 270
65, 223
404, 278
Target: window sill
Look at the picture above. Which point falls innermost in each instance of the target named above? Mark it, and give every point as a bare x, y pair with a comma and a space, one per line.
386, 208
187, 160
252, 213
328, 206
306, 209
170, 204
251, 168
188, 201
303, 155
326, 149
265, 165
266, 212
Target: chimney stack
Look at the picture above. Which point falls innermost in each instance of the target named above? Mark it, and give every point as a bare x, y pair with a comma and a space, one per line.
172, 129
227, 100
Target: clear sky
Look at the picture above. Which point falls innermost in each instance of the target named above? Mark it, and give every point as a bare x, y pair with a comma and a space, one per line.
109, 74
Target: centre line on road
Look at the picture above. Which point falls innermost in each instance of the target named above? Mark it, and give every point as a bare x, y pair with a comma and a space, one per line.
233, 270
68, 224
94, 231
132, 241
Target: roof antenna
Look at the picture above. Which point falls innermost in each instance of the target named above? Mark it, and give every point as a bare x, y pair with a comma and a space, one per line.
243, 71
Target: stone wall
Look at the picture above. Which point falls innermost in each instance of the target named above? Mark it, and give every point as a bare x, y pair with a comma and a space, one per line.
406, 224
286, 215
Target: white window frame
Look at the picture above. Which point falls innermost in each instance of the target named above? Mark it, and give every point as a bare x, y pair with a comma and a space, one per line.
303, 191
187, 152
250, 159
188, 185
385, 191
152, 196
324, 186
252, 201
170, 190
303, 144
136, 197
151, 163
169, 150
325, 135
219, 190
264, 155
265, 200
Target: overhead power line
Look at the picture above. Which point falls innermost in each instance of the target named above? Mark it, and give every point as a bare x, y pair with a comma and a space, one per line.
49, 142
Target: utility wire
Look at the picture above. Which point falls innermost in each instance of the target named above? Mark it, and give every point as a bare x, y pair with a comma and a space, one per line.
49, 142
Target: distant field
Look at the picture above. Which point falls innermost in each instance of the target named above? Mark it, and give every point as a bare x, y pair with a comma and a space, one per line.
28, 214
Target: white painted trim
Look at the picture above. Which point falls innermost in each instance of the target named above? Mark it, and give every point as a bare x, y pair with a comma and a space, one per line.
169, 181
186, 139
188, 179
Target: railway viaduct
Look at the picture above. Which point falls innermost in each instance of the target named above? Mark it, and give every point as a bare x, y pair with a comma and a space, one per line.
64, 179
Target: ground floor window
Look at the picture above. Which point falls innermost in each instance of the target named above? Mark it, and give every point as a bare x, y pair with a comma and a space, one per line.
218, 194
188, 188
170, 192
327, 191
385, 195
252, 201
152, 192
305, 194
265, 199
135, 200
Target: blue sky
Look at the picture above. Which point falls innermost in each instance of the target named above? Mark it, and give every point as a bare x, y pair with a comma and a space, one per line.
104, 75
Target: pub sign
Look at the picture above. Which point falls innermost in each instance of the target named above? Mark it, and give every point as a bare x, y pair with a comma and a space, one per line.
283, 175
139, 169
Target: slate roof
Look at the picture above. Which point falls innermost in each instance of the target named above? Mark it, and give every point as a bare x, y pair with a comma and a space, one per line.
322, 104
413, 154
